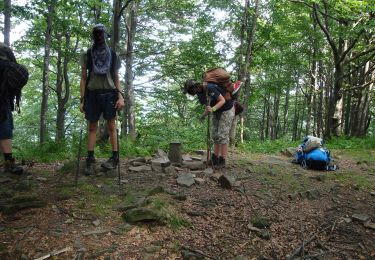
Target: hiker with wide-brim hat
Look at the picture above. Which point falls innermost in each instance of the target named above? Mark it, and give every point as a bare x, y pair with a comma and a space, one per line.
100, 94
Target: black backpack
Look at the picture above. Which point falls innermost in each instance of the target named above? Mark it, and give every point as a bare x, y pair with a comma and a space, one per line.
14, 78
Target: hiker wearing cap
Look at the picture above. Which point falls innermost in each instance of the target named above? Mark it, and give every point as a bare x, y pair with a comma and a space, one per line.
220, 105
100, 94
13, 77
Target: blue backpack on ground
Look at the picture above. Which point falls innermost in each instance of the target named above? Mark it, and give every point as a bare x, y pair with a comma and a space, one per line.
317, 158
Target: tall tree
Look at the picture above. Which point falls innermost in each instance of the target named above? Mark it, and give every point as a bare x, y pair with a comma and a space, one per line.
43, 132
7, 23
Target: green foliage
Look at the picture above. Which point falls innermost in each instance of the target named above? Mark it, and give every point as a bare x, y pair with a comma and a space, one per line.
354, 143
176, 223
268, 146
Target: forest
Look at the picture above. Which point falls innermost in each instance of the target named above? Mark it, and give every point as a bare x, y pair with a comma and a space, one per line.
308, 68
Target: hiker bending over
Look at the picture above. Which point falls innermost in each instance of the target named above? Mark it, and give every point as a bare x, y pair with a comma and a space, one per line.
13, 77
100, 94
223, 115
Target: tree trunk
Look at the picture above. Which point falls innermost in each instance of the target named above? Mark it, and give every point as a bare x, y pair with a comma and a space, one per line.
286, 111
116, 24
131, 29
296, 114
43, 134
63, 93
245, 74
7, 24
262, 129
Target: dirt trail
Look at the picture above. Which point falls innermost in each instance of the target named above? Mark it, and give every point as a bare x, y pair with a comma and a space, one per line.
274, 209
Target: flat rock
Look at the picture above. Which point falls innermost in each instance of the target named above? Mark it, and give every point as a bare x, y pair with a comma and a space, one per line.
137, 160
369, 225
361, 217
141, 214
372, 193
186, 158
199, 181
138, 164
185, 180
215, 176
227, 181
313, 194
208, 171
170, 170
163, 162
194, 165
201, 152
143, 168
96, 222
161, 154
290, 151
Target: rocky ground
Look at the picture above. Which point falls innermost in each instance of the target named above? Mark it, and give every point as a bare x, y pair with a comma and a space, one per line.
259, 207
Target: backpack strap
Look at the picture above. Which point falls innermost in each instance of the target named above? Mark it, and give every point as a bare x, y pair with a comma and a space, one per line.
89, 64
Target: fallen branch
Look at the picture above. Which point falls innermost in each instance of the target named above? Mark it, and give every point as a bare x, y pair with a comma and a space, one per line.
198, 252
53, 253
305, 243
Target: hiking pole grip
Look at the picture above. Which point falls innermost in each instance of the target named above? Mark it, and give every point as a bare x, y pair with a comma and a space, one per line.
79, 153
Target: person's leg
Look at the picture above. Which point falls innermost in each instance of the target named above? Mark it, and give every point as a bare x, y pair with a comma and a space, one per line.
6, 146
91, 139
225, 123
109, 114
6, 134
214, 138
111, 123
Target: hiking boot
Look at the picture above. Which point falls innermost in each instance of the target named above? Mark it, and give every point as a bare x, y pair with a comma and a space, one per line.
214, 159
221, 162
90, 166
236, 86
11, 167
110, 164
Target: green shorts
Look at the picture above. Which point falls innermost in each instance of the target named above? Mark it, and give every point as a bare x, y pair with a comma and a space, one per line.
221, 124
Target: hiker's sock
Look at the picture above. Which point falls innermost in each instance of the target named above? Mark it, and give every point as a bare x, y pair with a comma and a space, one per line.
115, 154
8, 156
90, 154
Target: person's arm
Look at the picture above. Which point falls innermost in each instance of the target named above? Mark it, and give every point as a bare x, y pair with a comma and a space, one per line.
218, 105
82, 86
120, 99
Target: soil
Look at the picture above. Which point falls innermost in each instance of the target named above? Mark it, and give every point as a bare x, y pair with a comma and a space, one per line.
275, 210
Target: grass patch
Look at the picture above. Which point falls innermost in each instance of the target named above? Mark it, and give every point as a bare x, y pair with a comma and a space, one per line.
176, 223
352, 179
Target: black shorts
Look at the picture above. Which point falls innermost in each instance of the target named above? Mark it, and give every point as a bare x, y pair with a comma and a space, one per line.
6, 126
98, 102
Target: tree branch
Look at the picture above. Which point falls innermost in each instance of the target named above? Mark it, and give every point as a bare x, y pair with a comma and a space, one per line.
123, 8
326, 32
360, 54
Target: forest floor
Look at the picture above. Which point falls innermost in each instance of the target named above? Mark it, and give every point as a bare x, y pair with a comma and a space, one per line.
274, 210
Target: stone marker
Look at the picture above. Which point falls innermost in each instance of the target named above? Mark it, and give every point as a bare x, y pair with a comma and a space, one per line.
174, 154
185, 180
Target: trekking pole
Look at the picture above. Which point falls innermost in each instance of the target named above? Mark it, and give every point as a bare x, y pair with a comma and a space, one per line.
79, 152
118, 150
208, 132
